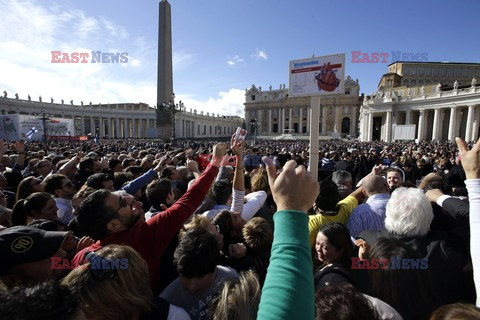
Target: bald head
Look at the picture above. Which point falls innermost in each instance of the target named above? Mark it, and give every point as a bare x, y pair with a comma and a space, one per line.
374, 184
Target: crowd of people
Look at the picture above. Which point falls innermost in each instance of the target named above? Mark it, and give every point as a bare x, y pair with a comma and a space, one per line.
141, 229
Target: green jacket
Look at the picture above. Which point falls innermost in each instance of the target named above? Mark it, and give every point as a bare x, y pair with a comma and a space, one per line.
288, 292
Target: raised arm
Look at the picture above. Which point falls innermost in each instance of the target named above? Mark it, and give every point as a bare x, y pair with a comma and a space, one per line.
238, 177
133, 186
184, 207
65, 169
288, 292
471, 164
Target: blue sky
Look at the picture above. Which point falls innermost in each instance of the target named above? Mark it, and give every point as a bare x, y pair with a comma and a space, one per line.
220, 47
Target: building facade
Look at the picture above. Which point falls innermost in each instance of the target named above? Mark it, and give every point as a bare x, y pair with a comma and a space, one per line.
276, 113
411, 74
438, 114
123, 120
439, 98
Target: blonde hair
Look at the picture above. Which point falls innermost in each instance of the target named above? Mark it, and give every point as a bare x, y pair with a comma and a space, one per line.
238, 299
195, 222
127, 295
260, 181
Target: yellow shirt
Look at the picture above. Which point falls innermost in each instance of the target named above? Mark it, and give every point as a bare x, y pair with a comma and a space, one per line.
346, 207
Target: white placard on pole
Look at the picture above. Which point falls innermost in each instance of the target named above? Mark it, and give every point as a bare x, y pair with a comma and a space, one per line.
314, 128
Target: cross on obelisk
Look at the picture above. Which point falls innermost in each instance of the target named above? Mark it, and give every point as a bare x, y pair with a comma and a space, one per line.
164, 72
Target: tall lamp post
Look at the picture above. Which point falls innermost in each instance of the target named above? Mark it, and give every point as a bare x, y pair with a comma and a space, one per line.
44, 117
254, 124
173, 109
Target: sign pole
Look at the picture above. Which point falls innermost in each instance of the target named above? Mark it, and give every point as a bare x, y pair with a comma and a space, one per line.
313, 155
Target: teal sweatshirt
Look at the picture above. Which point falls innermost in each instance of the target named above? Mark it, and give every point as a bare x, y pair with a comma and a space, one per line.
288, 292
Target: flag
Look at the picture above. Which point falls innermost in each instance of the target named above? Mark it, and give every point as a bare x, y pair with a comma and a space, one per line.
31, 132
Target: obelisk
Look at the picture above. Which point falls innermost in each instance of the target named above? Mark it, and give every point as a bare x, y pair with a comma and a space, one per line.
164, 71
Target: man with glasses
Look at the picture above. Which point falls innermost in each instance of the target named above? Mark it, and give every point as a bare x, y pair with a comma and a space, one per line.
63, 191
117, 218
44, 167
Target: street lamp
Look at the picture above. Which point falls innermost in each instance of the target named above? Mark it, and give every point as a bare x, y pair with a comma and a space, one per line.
44, 117
254, 124
173, 109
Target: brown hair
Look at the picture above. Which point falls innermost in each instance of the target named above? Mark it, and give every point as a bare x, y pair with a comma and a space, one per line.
125, 296
257, 235
456, 311
195, 222
260, 181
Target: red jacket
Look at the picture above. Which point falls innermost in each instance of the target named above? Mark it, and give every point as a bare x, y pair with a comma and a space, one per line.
151, 238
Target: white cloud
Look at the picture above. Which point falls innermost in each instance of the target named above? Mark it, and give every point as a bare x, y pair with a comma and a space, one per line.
181, 59
233, 61
35, 29
260, 54
227, 103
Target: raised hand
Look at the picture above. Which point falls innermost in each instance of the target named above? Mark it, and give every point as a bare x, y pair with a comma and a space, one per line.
219, 151
237, 146
294, 188
470, 159
19, 147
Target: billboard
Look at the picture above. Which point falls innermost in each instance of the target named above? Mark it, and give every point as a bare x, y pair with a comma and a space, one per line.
18, 127
317, 76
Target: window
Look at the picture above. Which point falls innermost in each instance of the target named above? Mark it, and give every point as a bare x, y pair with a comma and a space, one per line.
253, 97
210, 129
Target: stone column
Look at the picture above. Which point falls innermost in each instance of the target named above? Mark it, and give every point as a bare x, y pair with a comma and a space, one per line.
337, 122
452, 123
353, 123
110, 127
308, 120
470, 117
259, 121
282, 125
436, 124
421, 125
92, 126
408, 117
134, 128
324, 120
270, 120
290, 118
369, 127
101, 132
83, 126
388, 127
475, 124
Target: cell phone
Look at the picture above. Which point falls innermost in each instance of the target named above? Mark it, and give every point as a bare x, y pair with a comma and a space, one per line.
240, 134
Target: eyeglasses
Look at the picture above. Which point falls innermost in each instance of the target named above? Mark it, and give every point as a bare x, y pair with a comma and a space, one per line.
122, 203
